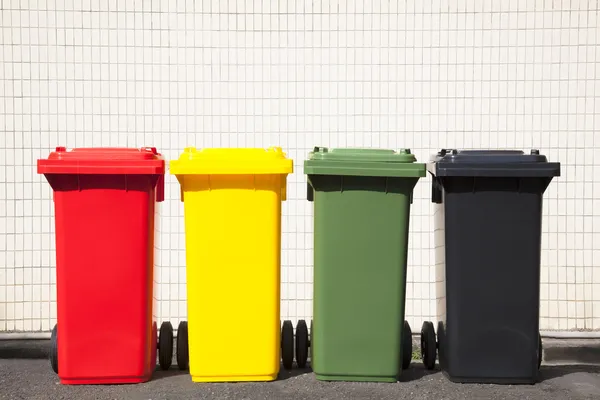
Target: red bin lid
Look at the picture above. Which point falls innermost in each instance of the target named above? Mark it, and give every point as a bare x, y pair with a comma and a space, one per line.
103, 161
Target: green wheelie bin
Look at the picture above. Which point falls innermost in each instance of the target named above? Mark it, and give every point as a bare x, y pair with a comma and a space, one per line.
362, 203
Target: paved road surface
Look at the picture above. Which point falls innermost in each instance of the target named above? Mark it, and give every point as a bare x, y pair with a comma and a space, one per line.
32, 379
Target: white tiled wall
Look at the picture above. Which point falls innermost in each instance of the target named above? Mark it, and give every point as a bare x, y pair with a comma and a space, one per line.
423, 75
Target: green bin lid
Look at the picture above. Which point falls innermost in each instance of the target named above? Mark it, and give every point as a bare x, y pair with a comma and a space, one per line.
363, 162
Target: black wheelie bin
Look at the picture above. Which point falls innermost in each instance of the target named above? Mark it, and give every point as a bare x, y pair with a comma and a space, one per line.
488, 225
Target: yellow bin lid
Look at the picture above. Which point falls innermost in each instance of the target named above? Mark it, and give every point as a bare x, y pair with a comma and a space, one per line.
231, 161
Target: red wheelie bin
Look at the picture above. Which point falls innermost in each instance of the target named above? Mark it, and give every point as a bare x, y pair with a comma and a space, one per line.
104, 200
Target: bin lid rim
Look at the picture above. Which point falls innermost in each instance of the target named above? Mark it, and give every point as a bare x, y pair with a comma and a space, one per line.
360, 154
232, 153
238, 160
495, 156
102, 161
104, 154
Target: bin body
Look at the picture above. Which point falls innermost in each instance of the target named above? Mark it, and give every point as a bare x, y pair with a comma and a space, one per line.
488, 248
232, 204
361, 218
104, 203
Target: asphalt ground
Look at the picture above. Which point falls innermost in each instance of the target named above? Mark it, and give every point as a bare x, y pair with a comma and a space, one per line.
25, 373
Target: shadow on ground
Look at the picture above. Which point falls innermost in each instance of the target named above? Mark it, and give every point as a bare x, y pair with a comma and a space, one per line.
548, 372
285, 374
24, 349
417, 371
580, 356
174, 371
572, 351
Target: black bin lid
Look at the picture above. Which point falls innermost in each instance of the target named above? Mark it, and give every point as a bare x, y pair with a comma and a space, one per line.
492, 163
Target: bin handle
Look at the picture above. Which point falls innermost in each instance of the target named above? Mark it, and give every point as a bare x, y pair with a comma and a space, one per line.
283, 187
436, 191
160, 188
151, 149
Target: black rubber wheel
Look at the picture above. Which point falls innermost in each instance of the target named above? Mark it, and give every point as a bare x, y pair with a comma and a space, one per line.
165, 346
287, 344
428, 345
406, 345
312, 335
54, 349
183, 352
540, 351
302, 343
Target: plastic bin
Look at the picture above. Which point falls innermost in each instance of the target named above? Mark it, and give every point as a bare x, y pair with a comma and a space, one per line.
362, 203
104, 201
232, 204
488, 223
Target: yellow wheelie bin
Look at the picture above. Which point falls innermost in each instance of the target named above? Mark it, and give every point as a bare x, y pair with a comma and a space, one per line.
232, 205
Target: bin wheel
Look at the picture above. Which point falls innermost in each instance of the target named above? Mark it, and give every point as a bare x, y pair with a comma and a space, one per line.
310, 343
302, 343
287, 344
428, 345
540, 351
406, 345
183, 351
165, 346
54, 349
